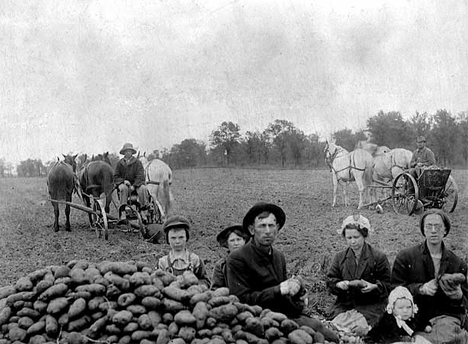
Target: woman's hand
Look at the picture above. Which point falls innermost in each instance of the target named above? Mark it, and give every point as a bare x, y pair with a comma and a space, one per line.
343, 285
368, 287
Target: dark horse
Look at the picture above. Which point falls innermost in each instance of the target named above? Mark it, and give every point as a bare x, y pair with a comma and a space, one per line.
61, 183
97, 181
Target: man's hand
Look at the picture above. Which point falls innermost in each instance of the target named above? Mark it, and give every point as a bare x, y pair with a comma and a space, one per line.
284, 287
343, 285
290, 287
368, 287
126, 182
429, 288
450, 287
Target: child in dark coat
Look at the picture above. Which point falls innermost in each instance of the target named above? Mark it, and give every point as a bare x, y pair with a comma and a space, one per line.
397, 323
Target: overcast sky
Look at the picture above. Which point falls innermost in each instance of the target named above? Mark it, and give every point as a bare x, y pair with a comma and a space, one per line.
87, 76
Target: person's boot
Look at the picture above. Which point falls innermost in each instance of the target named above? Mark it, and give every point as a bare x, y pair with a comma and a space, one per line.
123, 218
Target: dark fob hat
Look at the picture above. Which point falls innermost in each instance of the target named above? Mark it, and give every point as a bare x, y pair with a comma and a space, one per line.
223, 236
421, 139
259, 208
176, 221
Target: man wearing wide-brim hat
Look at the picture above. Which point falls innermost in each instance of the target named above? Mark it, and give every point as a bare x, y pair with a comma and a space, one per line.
129, 176
256, 272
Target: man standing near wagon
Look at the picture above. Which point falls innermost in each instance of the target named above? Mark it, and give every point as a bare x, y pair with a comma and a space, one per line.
130, 176
256, 272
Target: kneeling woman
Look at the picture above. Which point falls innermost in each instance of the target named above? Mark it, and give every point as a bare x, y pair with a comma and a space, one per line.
359, 276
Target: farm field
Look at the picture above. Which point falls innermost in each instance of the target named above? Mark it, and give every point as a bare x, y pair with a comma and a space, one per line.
213, 199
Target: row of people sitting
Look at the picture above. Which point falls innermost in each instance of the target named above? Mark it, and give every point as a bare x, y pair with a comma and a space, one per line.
360, 277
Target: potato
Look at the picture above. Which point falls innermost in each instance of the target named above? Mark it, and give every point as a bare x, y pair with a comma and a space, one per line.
147, 290
187, 333
173, 328
112, 292
176, 294
122, 283
224, 313
64, 280
145, 322
63, 319
24, 284
273, 333
44, 284
77, 308
17, 334
37, 339
200, 313
125, 340
216, 301
21, 296
57, 305
221, 292
38, 274
164, 337
51, 325
140, 278
204, 333
7, 291
96, 328
25, 322
78, 276
210, 322
244, 315
107, 305
137, 310
202, 297
177, 341
94, 303
288, 326
79, 324
62, 271
126, 299
79, 295
40, 306
150, 302
54, 291
118, 268
95, 289
254, 326
155, 318
5, 315
122, 318
300, 337
172, 306
131, 327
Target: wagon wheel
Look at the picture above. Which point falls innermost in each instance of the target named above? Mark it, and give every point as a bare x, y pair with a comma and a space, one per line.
450, 195
405, 194
142, 226
100, 219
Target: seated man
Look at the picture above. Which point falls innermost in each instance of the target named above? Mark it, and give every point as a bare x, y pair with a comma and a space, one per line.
422, 157
256, 272
129, 176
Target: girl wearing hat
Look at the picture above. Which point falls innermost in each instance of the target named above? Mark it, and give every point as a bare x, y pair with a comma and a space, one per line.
397, 324
359, 276
232, 238
180, 259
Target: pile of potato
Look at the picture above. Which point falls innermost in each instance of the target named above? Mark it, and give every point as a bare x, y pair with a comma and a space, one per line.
129, 302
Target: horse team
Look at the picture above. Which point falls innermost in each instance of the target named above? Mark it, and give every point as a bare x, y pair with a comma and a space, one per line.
366, 164
94, 179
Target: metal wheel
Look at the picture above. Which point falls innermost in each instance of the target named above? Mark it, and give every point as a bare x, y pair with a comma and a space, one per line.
405, 194
157, 211
100, 219
141, 225
450, 195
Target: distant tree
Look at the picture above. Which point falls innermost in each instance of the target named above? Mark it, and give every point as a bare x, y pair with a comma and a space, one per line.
2, 168
252, 145
443, 137
389, 129
346, 139
314, 150
226, 138
462, 124
31, 168
189, 153
285, 138
421, 124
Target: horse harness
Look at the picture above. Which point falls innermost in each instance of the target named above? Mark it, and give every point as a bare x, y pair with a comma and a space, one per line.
148, 178
329, 161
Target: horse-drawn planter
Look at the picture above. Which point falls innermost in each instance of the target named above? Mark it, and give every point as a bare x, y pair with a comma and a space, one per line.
434, 188
94, 183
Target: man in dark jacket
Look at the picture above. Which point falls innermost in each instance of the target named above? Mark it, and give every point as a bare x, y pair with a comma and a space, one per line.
436, 277
130, 176
422, 157
256, 272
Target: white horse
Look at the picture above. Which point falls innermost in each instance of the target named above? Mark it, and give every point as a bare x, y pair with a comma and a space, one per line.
388, 166
347, 167
158, 177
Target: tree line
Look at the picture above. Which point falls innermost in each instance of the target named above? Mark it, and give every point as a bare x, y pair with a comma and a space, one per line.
283, 144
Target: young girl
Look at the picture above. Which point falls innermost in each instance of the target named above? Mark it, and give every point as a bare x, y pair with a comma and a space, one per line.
397, 323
